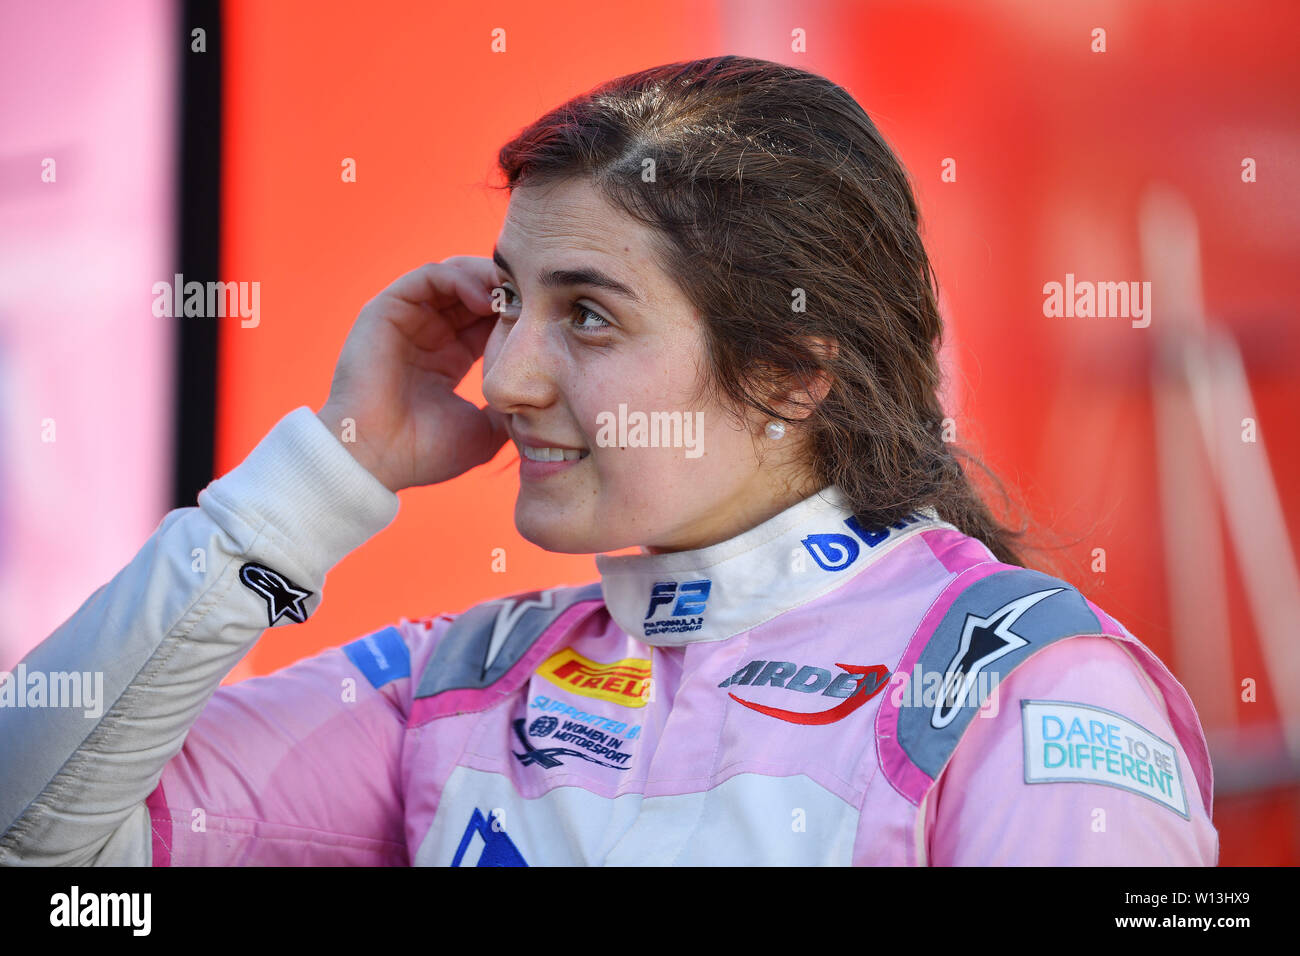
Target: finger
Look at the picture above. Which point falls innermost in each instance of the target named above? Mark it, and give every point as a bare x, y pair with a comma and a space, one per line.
475, 276
431, 284
483, 270
423, 303
476, 336
442, 287
461, 317
499, 433
482, 273
481, 444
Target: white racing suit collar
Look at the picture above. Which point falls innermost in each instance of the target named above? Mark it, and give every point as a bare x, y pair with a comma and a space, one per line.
713, 593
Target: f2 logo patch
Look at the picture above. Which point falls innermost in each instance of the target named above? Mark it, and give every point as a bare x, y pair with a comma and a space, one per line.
691, 597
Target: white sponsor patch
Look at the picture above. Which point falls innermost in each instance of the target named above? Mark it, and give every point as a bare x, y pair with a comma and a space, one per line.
1075, 742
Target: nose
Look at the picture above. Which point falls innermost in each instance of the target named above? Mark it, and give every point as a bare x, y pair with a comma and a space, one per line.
518, 371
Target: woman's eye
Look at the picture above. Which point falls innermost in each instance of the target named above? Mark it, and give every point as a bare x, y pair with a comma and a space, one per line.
504, 308
587, 320
600, 321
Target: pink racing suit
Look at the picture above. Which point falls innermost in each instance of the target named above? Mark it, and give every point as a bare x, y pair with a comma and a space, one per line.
809, 692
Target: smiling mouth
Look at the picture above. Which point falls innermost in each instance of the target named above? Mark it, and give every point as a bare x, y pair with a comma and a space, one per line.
552, 454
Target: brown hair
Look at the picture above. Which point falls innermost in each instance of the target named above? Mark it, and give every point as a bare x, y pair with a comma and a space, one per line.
761, 181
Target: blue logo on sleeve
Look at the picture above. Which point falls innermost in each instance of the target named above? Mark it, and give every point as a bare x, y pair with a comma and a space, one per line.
383, 656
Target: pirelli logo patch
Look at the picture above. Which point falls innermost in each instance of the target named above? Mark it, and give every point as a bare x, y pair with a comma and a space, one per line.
1065, 741
623, 682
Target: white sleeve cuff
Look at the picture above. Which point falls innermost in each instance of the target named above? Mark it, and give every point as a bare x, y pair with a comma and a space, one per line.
306, 484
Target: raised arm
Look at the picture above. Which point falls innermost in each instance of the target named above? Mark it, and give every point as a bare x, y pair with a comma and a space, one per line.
167, 628
165, 631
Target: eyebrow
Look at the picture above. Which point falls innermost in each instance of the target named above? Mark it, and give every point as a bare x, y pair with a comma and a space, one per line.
561, 278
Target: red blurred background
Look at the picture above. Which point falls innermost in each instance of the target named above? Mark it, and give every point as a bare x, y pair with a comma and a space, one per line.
1121, 164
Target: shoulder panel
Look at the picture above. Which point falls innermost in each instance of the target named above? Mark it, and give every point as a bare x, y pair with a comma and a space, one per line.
990, 626
485, 642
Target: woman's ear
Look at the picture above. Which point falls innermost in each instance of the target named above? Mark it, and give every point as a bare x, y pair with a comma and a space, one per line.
800, 401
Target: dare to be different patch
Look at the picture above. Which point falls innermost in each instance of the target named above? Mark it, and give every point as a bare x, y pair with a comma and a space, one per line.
1075, 742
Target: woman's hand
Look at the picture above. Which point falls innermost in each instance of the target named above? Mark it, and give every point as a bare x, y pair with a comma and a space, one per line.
408, 349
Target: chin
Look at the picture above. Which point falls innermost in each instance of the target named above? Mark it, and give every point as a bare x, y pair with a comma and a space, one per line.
552, 532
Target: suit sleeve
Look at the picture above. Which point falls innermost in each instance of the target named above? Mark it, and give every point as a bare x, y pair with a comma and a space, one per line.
1080, 766
156, 641
301, 768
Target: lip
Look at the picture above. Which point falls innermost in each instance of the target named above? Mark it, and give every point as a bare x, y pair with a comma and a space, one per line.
530, 470
535, 441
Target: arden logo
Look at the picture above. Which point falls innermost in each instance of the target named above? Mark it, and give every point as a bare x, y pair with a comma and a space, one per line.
856, 686
688, 600
623, 682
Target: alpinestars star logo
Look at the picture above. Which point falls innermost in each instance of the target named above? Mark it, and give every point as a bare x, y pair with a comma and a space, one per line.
983, 641
512, 609
283, 597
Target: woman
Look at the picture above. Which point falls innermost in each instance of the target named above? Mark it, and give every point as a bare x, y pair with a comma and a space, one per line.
709, 326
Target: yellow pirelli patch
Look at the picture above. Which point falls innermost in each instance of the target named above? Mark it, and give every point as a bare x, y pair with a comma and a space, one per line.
623, 682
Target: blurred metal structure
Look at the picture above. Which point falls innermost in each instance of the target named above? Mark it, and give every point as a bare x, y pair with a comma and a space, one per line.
1204, 410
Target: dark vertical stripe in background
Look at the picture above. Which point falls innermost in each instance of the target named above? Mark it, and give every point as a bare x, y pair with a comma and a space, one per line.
198, 209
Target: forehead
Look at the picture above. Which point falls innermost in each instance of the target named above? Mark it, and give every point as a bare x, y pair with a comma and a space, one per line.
568, 224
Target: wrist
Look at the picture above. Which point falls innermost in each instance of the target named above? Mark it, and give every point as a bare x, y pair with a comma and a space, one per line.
343, 429
299, 482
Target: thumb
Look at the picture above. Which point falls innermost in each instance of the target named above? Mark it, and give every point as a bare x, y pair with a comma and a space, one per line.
499, 435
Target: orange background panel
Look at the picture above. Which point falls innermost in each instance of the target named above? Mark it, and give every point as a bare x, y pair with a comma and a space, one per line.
413, 93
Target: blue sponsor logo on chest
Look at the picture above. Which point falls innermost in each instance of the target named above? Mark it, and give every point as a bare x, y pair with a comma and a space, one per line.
835, 552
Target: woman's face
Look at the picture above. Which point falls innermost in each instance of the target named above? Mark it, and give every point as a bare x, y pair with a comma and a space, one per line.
594, 341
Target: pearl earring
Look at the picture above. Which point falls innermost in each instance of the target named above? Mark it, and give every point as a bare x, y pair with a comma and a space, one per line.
775, 431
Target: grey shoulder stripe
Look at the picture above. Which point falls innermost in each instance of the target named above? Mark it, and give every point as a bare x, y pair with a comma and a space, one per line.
482, 644
992, 627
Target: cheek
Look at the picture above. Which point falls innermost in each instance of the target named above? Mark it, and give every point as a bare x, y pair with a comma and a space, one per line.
648, 382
